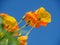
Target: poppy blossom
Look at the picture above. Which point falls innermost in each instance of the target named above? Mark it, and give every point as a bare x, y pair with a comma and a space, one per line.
43, 17
30, 19
23, 40
9, 22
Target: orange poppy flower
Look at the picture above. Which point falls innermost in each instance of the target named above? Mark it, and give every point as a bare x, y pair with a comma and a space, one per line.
30, 19
23, 40
10, 23
43, 17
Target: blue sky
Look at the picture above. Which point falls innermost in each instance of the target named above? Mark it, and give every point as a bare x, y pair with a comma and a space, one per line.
49, 35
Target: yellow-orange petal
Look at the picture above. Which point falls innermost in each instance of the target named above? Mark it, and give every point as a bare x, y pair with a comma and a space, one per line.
41, 23
15, 28
4, 15
47, 17
41, 9
43, 14
21, 38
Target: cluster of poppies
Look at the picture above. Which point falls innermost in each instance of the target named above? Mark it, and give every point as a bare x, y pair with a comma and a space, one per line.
38, 18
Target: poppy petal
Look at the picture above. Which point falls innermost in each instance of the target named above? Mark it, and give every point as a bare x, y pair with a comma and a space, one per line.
41, 23
43, 14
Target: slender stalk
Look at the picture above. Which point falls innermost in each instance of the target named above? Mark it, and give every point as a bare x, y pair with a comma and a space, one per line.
20, 29
29, 31
21, 20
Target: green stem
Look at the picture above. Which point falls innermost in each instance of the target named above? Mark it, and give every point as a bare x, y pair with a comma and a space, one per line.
29, 31
20, 29
21, 20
